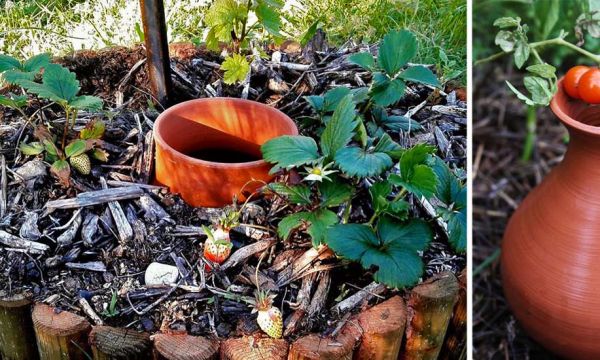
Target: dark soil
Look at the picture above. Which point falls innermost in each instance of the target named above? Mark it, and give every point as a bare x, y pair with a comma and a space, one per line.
500, 182
175, 239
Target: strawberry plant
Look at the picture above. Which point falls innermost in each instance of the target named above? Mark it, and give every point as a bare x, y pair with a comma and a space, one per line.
228, 21
14, 70
354, 146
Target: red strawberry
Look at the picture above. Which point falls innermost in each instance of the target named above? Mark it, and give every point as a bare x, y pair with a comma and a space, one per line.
217, 246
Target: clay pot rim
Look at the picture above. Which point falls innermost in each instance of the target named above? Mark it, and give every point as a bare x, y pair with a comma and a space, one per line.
567, 120
213, 164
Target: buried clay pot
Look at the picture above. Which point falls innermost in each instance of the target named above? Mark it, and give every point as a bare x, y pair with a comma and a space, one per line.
551, 245
208, 150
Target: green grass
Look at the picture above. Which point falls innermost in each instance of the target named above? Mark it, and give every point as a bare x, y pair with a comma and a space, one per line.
61, 26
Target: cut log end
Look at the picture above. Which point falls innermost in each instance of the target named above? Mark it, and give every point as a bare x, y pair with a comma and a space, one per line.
383, 330
185, 347
50, 321
252, 348
16, 328
430, 308
117, 343
313, 347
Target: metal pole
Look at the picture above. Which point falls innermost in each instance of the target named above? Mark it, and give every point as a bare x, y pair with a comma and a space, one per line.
157, 50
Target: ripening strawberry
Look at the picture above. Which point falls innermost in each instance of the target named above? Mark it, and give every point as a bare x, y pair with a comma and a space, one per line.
269, 317
81, 163
217, 246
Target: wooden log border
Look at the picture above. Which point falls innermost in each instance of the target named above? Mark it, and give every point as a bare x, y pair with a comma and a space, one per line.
389, 330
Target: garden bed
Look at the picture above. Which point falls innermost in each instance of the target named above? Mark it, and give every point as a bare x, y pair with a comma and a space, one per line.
74, 250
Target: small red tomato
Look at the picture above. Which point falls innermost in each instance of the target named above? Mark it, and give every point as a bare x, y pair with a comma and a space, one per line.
571, 80
589, 86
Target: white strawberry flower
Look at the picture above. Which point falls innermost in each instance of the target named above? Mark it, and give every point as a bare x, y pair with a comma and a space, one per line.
318, 172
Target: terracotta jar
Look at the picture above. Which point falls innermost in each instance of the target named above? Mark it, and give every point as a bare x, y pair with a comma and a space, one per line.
208, 150
551, 248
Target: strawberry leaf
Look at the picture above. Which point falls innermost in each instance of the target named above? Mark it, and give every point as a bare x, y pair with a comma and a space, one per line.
8, 62
416, 175
355, 161
75, 148
334, 193
364, 59
99, 154
35, 63
340, 129
420, 74
62, 171
13, 101
58, 85
290, 151
396, 49
384, 91
333, 97
449, 189
393, 250
93, 130
236, 68
316, 223
86, 102
33, 148
297, 194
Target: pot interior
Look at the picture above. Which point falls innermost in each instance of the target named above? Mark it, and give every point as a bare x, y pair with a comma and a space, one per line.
573, 112
222, 130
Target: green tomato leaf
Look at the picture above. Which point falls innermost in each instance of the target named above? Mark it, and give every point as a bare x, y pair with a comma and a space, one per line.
340, 129
290, 151
522, 51
506, 22
297, 194
386, 92
334, 193
355, 161
33, 148
539, 89
396, 49
364, 59
75, 148
544, 70
420, 74
506, 40
236, 68
520, 95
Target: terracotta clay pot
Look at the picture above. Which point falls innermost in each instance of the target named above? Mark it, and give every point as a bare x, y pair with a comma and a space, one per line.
551, 245
225, 135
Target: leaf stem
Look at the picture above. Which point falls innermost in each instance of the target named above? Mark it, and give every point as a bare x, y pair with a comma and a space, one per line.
531, 134
534, 45
400, 194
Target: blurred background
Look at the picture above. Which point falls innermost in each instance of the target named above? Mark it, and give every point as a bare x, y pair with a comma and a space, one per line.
505, 168
34, 26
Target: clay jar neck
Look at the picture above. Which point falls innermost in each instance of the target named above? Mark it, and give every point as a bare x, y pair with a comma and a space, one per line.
582, 159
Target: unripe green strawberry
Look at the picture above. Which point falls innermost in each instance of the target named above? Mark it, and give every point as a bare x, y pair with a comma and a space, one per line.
81, 163
270, 319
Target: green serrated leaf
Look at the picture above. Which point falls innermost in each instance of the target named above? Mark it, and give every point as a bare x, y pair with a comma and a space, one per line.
58, 85
416, 176
268, 17
316, 102
310, 32
420, 74
393, 252
398, 209
539, 89
360, 95
399, 122
396, 49
522, 51
35, 63
544, 70
334, 193
99, 154
379, 192
8, 63
13, 101
355, 161
506, 22
235, 68
457, 230
386, 145
333, 97
223, 16
506, 40
33, 148
289, 151
75, 148
364, 59
316, 224
50, 147
340, 129
93, 130
212, 42
296, 194
449, 188
86, 102
385, 92
520, 95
